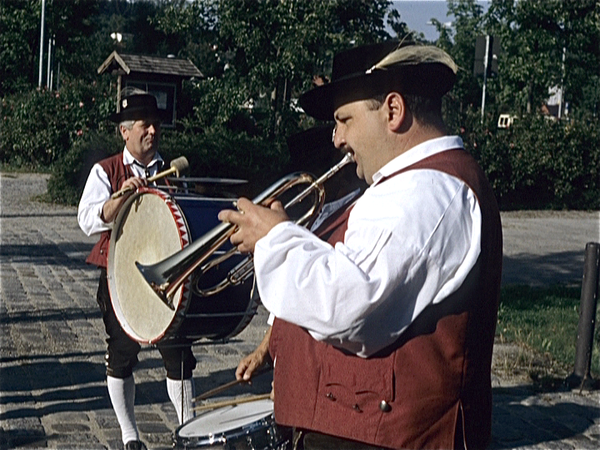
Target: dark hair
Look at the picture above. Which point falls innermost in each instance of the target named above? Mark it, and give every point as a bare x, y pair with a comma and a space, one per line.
426, 110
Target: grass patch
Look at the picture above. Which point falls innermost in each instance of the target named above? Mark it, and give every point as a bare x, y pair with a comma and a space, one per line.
544, 322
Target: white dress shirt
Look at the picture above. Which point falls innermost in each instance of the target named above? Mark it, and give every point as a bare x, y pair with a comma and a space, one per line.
98, 190
411, 241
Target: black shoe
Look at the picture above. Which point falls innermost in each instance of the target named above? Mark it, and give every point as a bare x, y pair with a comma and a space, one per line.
135, 445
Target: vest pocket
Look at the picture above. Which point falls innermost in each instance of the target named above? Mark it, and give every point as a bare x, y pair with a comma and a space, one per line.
359, 384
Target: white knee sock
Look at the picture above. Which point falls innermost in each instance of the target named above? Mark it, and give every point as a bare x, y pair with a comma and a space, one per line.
122, 397
174, 389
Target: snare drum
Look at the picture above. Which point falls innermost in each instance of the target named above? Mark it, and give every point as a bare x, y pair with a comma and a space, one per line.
151, 226
248, 426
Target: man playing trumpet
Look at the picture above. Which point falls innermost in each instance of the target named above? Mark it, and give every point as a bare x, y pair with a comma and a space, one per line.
139, 124
383, 335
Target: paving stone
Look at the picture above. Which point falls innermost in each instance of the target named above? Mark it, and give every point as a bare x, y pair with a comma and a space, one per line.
70, 428
582, 442
22, 439
115, 443
106, 422
80, 440
557, 445
152, 428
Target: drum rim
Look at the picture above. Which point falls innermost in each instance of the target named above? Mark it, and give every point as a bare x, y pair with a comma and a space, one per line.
184, 239
223, 436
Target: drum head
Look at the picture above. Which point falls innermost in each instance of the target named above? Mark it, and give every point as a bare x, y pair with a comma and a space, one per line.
149, 228
225, 420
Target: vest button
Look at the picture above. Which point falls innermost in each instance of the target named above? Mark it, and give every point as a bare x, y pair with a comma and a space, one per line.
385, 406
357, 408
330, 396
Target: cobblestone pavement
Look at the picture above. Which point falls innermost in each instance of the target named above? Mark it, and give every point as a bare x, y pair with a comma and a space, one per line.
52, 380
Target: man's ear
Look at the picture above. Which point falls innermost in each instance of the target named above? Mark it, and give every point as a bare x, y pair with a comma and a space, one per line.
123, 131
396, 110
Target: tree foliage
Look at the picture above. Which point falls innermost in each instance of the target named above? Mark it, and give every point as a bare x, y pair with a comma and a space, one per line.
276, 47
258, 56
19, 43
547, 44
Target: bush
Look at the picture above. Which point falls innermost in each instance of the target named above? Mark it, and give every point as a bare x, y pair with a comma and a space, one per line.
213, 155
539, 163
69, 175
534, 164
228, 155
40, 126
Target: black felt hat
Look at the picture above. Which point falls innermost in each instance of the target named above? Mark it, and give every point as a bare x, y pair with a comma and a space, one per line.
138, 107
365, 71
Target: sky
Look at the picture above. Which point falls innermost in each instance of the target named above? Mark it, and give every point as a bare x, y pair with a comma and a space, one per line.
417, 14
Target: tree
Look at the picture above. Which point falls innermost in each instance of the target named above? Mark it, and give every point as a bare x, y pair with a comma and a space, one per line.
80, 44
535, 36
468, 24
459, 42
19, 43
190, 30
276, 47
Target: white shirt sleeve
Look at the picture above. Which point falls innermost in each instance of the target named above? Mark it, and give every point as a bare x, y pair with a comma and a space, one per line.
96, 192
405, 248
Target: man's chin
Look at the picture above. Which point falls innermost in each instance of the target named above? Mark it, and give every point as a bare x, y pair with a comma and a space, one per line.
359, 173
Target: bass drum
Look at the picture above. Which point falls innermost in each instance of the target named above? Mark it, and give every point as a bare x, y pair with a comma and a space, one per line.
151, 226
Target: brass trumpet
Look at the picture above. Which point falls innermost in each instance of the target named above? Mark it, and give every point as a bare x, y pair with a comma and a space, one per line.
166, 276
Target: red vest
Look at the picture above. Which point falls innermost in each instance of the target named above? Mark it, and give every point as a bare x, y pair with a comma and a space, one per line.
117, 174
431, 388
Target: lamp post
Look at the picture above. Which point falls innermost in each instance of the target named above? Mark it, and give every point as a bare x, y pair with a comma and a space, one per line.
41, 66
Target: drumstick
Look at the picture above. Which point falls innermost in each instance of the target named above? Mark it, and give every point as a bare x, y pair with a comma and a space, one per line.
226, 386
177, 165
217, 390
235, 401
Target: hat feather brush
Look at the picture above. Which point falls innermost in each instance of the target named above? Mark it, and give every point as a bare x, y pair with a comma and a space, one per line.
414, 55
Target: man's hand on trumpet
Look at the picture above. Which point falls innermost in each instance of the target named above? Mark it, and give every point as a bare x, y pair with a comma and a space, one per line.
253, 222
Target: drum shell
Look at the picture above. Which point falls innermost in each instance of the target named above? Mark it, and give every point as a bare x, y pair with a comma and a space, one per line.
135, 238
216, 316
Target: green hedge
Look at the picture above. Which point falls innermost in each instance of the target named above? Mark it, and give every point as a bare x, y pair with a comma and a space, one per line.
535, 164
69, 174
227, 154
39, 127
539, 163
212, 155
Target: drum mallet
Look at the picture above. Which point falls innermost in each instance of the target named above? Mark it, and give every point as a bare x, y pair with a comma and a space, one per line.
177, 165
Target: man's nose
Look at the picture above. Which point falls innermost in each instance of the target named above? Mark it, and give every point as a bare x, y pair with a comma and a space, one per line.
338, 139
153, 128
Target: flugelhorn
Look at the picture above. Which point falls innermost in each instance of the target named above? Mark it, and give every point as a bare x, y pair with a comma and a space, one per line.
166, 276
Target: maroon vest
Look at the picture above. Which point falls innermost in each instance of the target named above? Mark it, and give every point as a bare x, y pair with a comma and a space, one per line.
432, 387
117, 174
